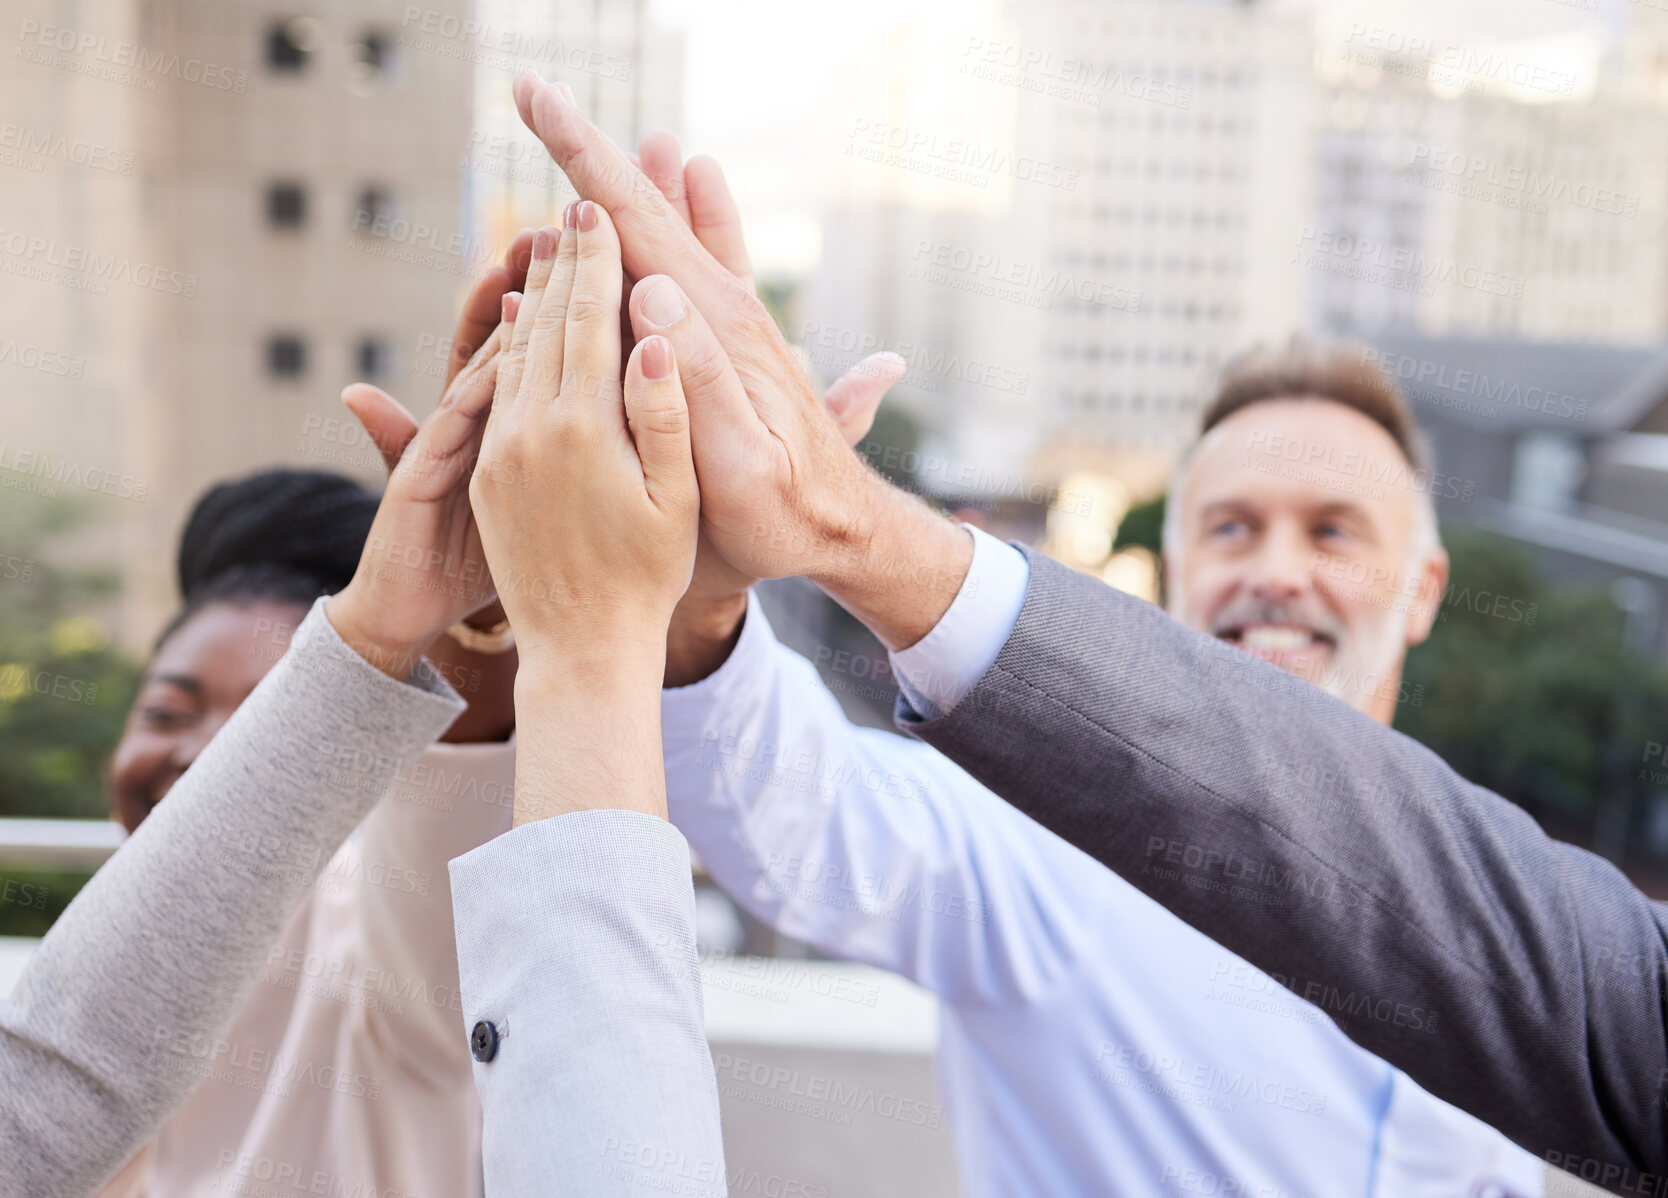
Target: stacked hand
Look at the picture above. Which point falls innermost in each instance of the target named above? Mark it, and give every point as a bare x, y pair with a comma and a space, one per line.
781, 491
614, 567
423, 568
585, 493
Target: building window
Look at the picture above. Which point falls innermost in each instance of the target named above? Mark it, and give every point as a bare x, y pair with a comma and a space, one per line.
372, 54
371, 358
290, 42
286, 205
286, 356
372, 211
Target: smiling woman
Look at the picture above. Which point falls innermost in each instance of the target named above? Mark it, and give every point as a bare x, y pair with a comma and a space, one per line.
359, 996
254, 555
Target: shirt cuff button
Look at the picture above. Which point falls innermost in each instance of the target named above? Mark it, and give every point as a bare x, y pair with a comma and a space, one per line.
483, 1041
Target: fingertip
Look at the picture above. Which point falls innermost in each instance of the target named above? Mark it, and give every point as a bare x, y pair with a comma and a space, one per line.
888, 363
511, 306
657, 358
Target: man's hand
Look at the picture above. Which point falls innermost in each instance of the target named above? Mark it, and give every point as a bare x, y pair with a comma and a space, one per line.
708, 618
780, 491
588, 508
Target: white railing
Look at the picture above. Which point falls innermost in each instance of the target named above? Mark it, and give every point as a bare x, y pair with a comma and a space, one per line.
58, 843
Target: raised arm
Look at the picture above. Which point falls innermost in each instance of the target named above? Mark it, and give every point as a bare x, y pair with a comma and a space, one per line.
576, 942
160, 946
1544, 967
1515, 976
868, 845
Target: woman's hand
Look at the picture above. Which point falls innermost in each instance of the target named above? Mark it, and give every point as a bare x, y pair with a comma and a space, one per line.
588, 508
423, 568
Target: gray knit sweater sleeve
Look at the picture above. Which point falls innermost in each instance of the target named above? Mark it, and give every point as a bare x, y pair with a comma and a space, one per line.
159, 948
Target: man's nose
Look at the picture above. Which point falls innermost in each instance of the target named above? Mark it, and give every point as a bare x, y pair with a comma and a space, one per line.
1282, 567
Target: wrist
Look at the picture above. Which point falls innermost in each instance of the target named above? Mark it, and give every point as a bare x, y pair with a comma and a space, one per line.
702, 635
902, 570
367, 636
590, 737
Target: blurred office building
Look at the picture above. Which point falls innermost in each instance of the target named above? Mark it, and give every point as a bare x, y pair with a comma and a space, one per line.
255, 206
1061, 346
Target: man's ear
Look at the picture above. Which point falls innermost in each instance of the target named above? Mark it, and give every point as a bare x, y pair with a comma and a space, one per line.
1433, 585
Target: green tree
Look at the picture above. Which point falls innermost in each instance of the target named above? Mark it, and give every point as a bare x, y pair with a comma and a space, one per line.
64, 692
1529, 688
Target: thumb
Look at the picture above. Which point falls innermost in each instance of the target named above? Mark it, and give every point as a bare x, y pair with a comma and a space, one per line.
658, 417
856, 394
391, 427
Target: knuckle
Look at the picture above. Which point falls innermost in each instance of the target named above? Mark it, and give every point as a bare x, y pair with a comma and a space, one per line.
589, 309
702, 369
664, 418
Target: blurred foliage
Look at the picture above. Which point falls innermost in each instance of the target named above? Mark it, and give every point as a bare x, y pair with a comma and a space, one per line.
31, 900
1142, 526
64, 691
1529, 687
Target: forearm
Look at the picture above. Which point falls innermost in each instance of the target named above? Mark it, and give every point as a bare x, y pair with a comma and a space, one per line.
1431, 920
576, 941
870, 846
590, 735
159, 947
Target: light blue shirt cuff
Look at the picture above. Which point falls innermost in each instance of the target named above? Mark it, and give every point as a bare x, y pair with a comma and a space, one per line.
939, 670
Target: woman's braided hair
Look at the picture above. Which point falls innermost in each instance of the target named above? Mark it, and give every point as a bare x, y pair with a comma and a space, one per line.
282, 535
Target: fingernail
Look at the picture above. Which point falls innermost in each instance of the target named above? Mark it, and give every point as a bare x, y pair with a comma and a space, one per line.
567, 215
511, 305
657, 358
544, 244
663, 302
586, 217
566, 93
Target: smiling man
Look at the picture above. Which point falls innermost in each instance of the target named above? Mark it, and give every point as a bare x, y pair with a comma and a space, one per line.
1301, 527
1091, 1041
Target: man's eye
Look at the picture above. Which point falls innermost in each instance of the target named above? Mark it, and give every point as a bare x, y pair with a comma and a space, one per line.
1228, 528
1330, 532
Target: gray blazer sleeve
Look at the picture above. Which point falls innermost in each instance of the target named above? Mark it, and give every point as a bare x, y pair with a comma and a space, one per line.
159, 948
582, 999
1517, 977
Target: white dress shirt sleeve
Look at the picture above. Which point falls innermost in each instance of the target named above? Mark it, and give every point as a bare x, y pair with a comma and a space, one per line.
869, 845
581, 989
939, 670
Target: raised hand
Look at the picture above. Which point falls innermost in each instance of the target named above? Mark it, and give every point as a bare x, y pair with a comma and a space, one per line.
487, 682
588, 508
780, 491
423, 568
